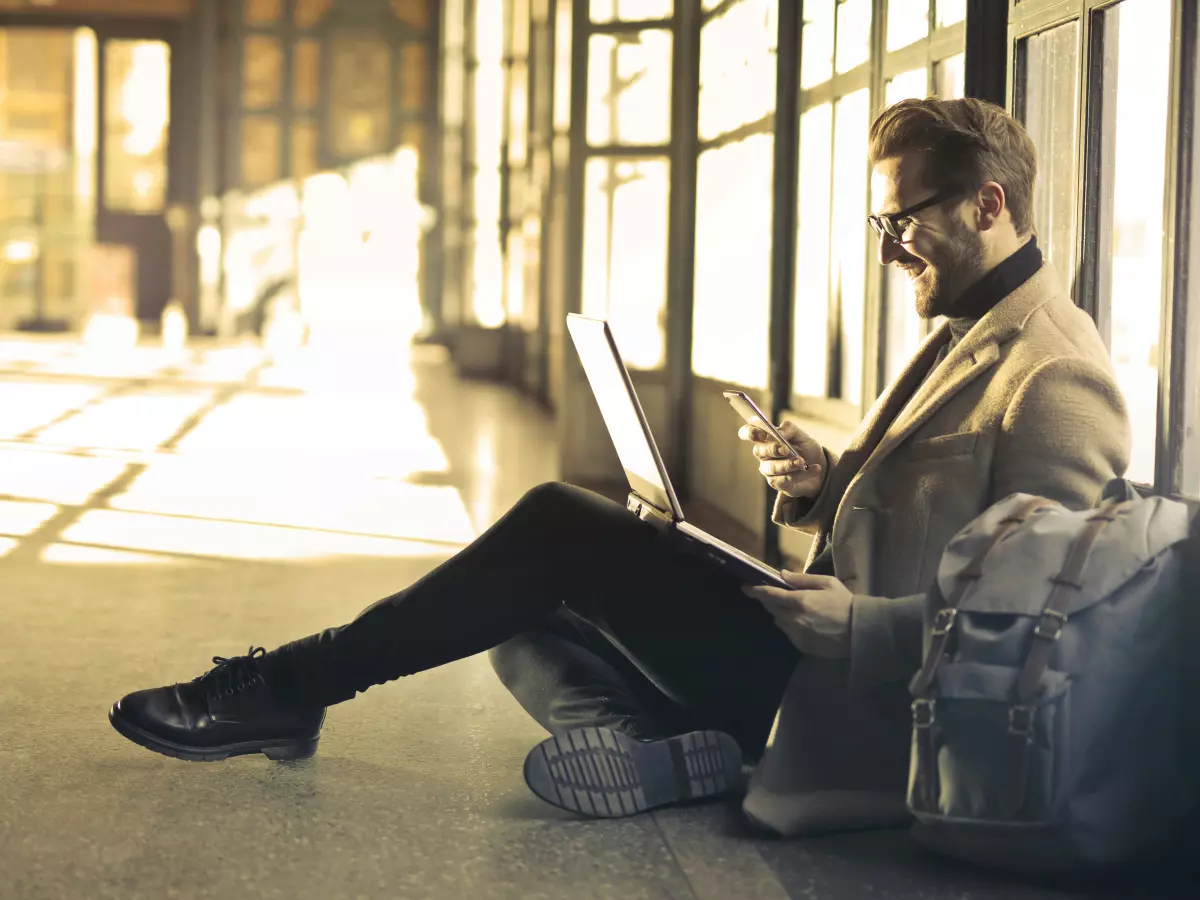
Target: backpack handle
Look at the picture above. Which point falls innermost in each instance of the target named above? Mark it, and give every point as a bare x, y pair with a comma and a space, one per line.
968, 580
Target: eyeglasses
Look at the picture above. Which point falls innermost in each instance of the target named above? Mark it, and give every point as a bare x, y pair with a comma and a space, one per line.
895, 224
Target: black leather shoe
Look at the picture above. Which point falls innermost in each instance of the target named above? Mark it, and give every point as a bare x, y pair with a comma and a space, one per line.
228, 711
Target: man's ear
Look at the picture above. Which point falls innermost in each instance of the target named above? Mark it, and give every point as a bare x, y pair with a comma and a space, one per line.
990, 204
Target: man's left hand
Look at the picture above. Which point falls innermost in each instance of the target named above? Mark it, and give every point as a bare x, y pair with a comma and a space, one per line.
815, 616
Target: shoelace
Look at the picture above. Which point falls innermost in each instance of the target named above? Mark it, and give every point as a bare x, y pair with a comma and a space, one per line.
231, 675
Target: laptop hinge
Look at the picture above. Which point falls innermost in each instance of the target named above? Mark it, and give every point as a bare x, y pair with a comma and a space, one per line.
647, 511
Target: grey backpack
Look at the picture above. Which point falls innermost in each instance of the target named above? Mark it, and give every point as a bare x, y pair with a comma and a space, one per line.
1047, 716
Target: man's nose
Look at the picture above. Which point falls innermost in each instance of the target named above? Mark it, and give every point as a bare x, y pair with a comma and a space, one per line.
889, 249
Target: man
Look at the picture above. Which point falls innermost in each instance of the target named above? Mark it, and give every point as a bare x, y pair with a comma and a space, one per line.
654, 673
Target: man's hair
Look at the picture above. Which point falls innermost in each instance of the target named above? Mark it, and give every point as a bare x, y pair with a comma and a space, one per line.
964, 143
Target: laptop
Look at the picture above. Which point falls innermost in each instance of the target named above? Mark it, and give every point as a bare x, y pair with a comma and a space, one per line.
652, 498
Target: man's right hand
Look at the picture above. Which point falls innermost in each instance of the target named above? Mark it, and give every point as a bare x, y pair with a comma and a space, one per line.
799, 477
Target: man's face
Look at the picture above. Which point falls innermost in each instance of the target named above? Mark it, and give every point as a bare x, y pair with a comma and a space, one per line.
939, 250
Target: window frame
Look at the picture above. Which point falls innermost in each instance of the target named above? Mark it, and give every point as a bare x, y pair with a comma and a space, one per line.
1031, 17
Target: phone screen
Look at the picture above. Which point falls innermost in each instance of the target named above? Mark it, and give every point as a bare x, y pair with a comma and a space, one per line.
749, 411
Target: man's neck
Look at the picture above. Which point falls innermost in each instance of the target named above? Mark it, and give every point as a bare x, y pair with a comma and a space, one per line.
998, 282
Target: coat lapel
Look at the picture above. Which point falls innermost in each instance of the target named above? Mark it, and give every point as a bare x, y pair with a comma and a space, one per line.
910, 402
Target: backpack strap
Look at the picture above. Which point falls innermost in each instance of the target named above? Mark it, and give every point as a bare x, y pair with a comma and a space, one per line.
1022, 715
1054, 616
924, 708
968, 580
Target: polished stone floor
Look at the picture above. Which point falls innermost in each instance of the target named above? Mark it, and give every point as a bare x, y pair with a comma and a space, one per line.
159, 508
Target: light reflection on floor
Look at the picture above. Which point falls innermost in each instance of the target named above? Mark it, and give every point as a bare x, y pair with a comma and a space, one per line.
220, 452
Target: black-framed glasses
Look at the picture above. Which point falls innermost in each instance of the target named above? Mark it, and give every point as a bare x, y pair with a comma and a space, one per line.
895, 224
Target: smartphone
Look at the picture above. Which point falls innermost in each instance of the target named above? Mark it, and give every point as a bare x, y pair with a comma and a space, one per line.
748, 410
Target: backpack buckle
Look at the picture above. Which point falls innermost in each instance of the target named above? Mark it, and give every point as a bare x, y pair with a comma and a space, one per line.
1050, 625
1020, 721
923, 711
943, 620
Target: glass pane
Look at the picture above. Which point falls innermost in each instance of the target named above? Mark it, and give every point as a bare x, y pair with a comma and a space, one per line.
907, 85
733, 260
306, 74
853, 34
562, 65
849, 247
360, 95
629, 10
816, 40
519, 28
1134, 90
907, 22
413, 63
950, 11
950, 77
1048, 101
903, 329
811, 342
310, 12
137, 105
487, 261
262, 72
629, 88
260, 150
47, 186
518, 114
304, 148
262, 12
737, 67
625, 253
414, 13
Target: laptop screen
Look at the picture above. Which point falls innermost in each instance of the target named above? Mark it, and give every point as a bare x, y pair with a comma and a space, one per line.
622, 414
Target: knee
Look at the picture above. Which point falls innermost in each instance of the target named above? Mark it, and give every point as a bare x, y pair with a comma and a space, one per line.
550, 496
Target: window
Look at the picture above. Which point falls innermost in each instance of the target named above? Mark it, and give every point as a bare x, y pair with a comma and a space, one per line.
903, 329
487, 130
1133, 41
630, 10
853, 34
306, 74
732, 287
907, 22
951, 12
851, 122
950, 77
1047, 102
625, 253
730, 337
816, 43
138, 115
737, 67
629, 88
810, 346
262, 72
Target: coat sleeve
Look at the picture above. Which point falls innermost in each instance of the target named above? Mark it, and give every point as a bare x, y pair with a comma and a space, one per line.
1065, 434
807, 514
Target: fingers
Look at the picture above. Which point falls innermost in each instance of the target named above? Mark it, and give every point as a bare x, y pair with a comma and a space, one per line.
774, 467
805, 582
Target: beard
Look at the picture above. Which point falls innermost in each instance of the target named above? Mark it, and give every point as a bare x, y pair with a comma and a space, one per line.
959, 264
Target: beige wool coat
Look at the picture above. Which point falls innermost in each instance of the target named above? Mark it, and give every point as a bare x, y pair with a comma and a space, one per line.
1026, 402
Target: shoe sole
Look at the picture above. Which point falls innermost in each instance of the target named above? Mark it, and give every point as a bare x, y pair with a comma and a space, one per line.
602, 773
276, 750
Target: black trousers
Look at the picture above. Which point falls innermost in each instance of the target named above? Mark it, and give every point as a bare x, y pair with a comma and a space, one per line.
590, 617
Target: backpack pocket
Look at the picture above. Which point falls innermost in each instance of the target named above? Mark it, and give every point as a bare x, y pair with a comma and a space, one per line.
978, 756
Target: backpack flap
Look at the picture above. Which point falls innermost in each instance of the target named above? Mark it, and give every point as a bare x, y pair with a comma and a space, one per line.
1020, 572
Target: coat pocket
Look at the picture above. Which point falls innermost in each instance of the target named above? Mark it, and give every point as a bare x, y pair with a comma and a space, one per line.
944, 445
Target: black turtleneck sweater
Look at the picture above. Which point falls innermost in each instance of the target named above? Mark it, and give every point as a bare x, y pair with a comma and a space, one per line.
975, 302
